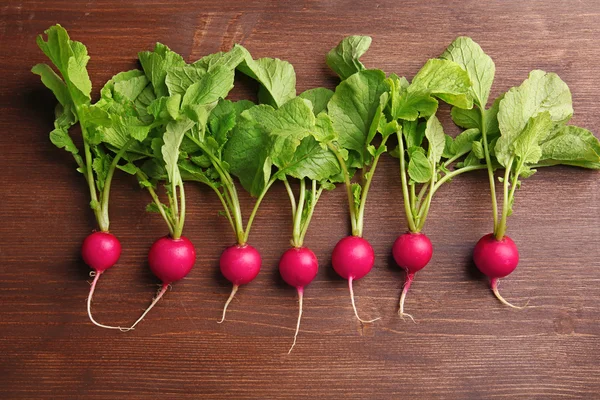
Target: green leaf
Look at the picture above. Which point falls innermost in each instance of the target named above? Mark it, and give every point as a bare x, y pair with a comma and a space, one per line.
324, 132
61, 139
443, 79
101, 165
276, 77
247, 153
467, 119
465, 141
230, 59
223, 118
479, 66
53, 82
287, 126
179, 79
434, 132
129, 168
319, 97
129, 85
213, 86
70, 58
470, 160
356, 194
165, 108
192, 172
312, 161
572, 145
419, 167
170, 150
541, 92
478, 150
157, 63
344, 58
526, 145
354, 106
413, 133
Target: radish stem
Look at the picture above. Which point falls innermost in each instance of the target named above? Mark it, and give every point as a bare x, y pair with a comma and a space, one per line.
401, 313
89, 305
354, 305
233, 292
156, 299
300, 296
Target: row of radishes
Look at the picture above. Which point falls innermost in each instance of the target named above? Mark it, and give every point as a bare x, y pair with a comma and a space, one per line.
169, 123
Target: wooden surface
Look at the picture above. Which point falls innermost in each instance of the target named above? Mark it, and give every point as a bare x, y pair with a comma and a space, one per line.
466, 345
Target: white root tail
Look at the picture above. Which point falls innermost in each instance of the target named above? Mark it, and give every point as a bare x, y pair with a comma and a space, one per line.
401, 313
96, 276
233, 292
354, 305
300, 296
494, 284
160, 294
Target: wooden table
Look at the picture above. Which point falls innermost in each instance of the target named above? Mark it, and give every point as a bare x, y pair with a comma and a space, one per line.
466, 345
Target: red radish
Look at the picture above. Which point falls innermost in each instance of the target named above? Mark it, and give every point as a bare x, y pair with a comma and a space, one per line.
352, 258
496, 259
298, 267
100, 250
240, 264
170, 260
412, 251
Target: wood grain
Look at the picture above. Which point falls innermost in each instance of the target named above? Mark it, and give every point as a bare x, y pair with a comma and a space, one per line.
465, 345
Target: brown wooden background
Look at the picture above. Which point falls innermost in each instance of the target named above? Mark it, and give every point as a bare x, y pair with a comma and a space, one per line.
466, 345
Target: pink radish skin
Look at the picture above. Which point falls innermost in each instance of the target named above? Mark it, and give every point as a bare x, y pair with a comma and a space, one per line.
412, 252
298, 267
353, 258
496, 259
170, 260
100, 250
240, 264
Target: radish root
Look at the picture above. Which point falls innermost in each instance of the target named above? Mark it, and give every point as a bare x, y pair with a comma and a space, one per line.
96, 276
494, 284
401, 313
354, 305
160, 294
233, 292
300, 296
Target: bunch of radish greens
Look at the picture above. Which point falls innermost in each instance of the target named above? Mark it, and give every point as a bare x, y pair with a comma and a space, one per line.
524, 129
173, 100
169, 123
72, 88
283, 138
367, 104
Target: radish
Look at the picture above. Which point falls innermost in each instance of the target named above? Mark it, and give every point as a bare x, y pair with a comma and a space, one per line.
169, 97
170, 260
353, 258
356, 114
496, 259
412, 252
366, 103
524, 129
241, 140
298, 267
240, 264
100, 250
427, 156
